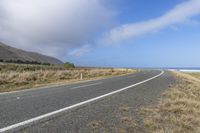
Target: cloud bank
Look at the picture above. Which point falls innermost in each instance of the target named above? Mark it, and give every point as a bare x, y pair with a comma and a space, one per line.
54, 27
51, 26
181, 13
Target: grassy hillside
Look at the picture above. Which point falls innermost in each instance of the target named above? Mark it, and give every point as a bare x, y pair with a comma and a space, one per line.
21, 76
10, 54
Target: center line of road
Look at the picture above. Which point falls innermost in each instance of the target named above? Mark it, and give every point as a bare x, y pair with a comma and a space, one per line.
86, 85
33, 120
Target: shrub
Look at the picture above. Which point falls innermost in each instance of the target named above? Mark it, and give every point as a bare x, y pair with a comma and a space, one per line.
69, 65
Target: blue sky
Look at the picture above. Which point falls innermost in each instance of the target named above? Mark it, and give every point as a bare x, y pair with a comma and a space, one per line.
175, 46
109, 33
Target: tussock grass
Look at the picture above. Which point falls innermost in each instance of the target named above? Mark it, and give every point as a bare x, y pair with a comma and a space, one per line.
179, 109
16, 77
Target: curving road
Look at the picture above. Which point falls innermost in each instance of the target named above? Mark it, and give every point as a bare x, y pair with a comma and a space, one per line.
26, 110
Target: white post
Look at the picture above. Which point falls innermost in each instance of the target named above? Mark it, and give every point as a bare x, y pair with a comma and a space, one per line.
81, 76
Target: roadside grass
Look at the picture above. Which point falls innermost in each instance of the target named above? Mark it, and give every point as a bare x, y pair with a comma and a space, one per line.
196, 75
16, 77
179, 109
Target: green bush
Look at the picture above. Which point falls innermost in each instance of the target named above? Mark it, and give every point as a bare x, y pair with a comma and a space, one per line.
69, 65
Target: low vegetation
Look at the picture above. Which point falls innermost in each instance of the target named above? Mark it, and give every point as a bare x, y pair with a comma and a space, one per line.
69, 65
23, 62
21, 76
179, 109
196, 75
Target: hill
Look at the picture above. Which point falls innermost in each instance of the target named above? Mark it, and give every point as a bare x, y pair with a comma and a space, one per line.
11, 54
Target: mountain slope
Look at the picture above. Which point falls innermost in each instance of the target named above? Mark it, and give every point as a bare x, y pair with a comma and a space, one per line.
8, 53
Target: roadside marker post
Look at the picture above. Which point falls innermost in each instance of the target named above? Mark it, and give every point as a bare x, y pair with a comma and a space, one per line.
81, 76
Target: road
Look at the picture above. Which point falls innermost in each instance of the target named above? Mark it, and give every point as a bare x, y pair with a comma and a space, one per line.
25, 110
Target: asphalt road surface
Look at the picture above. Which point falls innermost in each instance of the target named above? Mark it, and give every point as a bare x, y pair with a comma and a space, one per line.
71, 108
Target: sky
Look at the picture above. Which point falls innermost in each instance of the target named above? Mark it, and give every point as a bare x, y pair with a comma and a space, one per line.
106, 33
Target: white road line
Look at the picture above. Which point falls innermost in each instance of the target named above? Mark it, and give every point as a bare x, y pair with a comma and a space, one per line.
18, 125
77, 87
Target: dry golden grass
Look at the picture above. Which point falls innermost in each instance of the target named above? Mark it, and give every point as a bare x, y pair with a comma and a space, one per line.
196, 75
16, 77
179, 109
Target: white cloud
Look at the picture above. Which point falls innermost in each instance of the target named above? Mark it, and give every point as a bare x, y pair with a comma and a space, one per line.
51, 26
80, 51
181, 13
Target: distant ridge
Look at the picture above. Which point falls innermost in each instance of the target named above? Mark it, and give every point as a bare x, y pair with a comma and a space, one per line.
11, 54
